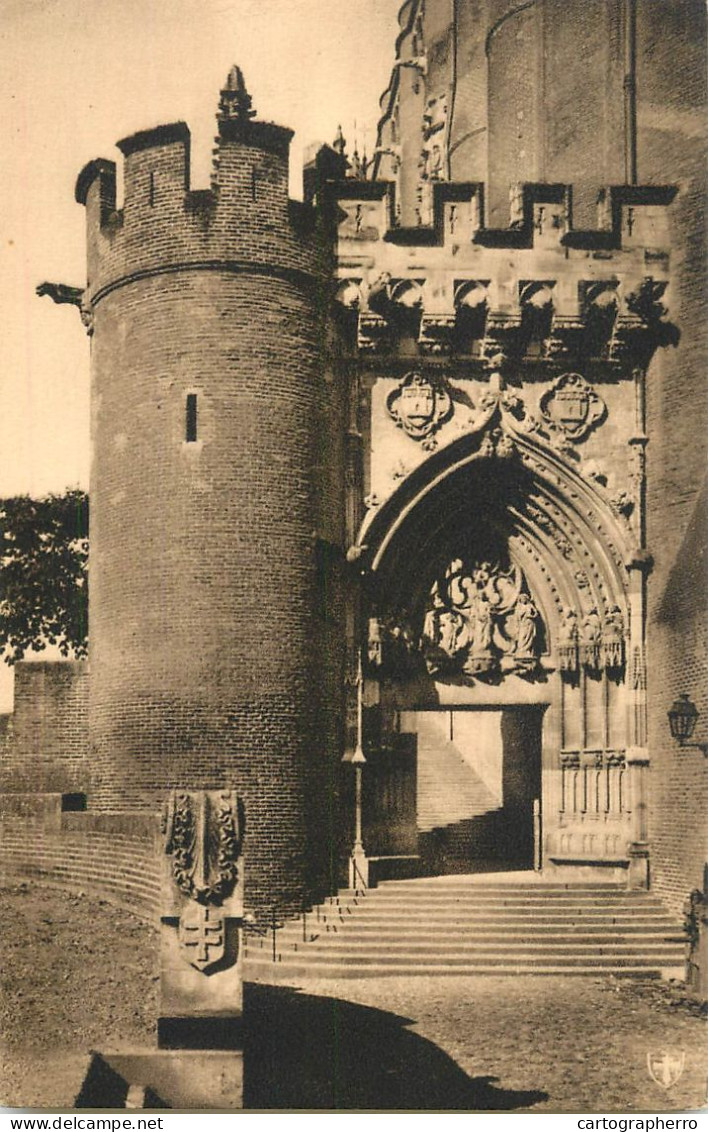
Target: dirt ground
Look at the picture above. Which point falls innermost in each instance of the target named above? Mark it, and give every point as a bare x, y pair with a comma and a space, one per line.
79, 974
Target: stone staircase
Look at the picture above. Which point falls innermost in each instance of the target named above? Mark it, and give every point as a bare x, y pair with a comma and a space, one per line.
448, 789
459, 818
503, 924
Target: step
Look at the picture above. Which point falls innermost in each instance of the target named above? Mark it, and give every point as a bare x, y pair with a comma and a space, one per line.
450, 916
519, 959
415, 945
277, 972
659, 936
421, 945
466, 925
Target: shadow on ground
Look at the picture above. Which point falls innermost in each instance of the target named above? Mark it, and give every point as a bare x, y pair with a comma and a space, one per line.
307, 1051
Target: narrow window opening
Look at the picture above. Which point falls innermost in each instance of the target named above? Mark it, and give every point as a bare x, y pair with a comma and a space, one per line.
191, 418
151, 189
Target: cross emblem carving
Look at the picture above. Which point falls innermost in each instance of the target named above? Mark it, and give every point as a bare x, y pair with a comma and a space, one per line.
202, 935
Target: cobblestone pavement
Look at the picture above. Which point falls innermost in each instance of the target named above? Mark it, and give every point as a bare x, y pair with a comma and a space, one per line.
79, 974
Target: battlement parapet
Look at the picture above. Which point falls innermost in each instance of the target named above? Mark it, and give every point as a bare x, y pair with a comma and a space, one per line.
245, 218
537, 210
538, 288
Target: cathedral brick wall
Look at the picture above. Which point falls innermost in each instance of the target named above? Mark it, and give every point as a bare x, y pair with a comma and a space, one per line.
43, 743
669, 126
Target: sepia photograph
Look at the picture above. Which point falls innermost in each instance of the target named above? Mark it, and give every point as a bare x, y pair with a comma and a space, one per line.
354, 695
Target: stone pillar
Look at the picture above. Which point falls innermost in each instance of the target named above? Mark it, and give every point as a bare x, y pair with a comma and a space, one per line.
199, 1065
638, 850
201, 960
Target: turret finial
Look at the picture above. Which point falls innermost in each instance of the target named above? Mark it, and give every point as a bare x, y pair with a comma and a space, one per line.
339, 144
235, 101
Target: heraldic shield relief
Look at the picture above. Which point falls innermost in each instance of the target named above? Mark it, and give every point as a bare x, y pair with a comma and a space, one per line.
420, 405
573, 406
203, 838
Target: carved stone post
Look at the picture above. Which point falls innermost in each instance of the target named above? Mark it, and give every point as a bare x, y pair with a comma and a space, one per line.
201, 978
637, 752
638, 765
199, 1065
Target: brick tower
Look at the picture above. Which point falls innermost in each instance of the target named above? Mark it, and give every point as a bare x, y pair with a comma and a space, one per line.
208, 519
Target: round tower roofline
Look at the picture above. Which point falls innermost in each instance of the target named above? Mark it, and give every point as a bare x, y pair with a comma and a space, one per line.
177, 132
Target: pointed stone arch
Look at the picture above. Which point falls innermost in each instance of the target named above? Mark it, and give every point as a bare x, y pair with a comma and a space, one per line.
560, 528
503, 489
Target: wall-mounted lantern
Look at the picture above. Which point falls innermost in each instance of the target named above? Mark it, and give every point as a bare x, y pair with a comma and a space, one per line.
683, 714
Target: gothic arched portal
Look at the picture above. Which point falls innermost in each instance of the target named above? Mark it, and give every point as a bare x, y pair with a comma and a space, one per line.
496, 584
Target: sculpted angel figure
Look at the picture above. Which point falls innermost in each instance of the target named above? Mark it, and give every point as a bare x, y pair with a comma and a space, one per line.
613, 639
592, 637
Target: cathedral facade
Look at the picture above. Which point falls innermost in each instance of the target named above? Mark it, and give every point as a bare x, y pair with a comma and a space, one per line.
396, 492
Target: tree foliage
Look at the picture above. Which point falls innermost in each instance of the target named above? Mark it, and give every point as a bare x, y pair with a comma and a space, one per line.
43, 574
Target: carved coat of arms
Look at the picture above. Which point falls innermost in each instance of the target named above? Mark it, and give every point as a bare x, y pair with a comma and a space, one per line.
573, 406
203, 837
420, 405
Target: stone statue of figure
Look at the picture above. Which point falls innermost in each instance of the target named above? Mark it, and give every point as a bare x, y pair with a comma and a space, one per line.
526, 628
452, 634
480, 623
431, 624
568, 642
444, 626
613, 639
592, 638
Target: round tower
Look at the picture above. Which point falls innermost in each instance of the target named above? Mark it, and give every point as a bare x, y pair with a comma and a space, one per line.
207, 391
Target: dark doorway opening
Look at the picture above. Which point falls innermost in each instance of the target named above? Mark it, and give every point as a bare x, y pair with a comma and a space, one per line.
478, 789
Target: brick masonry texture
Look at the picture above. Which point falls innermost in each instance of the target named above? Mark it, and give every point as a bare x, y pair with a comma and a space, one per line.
669, 113
122, 869
207, 648
44, 743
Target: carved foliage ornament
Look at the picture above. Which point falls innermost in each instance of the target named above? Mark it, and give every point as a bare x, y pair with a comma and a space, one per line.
420, 405
481, 622
573, 406
203, 837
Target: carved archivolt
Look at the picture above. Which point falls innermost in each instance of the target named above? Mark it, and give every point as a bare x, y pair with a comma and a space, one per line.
420, 405
481, 621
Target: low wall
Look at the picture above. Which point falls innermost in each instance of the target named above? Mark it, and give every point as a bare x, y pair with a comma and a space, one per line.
120, 867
